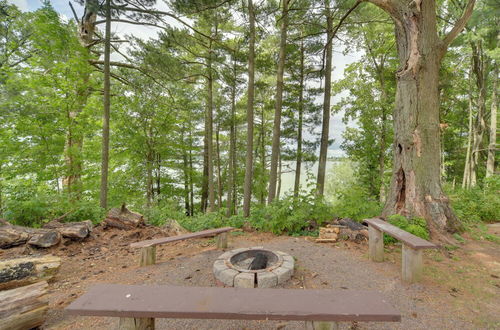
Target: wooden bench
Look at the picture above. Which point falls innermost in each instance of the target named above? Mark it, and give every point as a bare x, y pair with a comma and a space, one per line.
138, 305
148, 247
412, 247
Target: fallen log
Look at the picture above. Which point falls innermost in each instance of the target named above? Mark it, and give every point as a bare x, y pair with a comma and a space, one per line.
45, 238
123, 218
24, 271
23, 308
74, 230
12, 235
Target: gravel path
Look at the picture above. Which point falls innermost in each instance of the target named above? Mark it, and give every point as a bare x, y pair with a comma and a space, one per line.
317, 266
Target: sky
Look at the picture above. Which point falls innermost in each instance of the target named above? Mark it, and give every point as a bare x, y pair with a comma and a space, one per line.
340, 61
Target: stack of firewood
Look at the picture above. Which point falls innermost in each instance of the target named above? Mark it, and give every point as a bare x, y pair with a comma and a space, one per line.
345, 229
23, 287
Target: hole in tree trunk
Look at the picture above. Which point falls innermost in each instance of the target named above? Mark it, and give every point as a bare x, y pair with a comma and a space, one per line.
400, 148
401, 184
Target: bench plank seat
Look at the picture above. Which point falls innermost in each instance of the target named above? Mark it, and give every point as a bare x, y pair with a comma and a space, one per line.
163, 240
160, 301
411, 240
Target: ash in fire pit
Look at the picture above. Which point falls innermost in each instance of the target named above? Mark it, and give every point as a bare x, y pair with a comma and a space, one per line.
259, 262
253, 267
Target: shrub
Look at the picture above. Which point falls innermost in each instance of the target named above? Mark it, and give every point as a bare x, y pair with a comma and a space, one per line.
478, 204
415, 226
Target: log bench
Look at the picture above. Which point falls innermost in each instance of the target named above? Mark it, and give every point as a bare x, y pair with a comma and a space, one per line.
412, 247
148, 247
137, 306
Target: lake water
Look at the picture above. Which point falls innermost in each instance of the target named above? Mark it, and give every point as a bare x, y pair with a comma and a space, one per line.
309, 171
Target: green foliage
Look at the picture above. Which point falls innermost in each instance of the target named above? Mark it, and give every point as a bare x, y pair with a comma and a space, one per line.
415, 226
477, 204
349, 198
35, 207
291, 215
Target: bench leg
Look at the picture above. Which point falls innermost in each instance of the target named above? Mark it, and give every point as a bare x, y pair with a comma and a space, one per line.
376, 244
130, 323
221, 240
411, 265
323, 325
148, 256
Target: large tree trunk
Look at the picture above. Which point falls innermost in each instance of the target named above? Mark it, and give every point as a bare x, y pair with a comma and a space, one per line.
325, 129
106, 113
298, 163
278, 104
416, 185
490, 163
247, 189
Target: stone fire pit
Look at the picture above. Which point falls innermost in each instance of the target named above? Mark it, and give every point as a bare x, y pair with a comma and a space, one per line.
232, 268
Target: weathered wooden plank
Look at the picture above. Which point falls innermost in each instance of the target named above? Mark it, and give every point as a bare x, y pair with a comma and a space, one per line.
375, 244
156, 301
130, 323
23, 271
148, 256
411, 265
221, 240
411, 240
198, 234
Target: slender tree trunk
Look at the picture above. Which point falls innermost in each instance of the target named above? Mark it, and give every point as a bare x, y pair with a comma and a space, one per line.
416, 185
325, 129
210, 116
262, 155
158, 175
280, 168
106, 114
298, 163
149, 178
247, 189
278, 104
232, 147
204, 183
191, 181
490, 163
219, 177
480, 73
467, 166
185, 167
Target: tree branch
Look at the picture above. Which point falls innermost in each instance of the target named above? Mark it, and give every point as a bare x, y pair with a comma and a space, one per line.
459, 26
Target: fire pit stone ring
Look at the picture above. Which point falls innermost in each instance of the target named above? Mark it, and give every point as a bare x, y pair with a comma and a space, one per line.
231, 268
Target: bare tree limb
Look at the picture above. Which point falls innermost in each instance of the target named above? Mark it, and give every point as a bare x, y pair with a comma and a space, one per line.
459, 26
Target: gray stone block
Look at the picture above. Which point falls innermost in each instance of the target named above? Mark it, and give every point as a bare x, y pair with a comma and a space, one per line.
219, 266
284, 274
227, 276
267, 280
244, 280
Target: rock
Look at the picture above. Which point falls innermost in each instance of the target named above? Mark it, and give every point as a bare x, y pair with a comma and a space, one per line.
175, 227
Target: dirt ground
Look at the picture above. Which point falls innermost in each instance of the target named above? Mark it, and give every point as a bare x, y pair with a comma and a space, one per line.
460, 287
